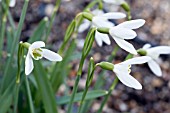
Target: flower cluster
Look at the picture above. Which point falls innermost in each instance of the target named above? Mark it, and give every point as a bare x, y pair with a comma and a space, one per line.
120, 33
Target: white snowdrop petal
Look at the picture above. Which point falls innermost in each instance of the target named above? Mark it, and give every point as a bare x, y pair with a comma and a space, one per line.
101, 22
97, 12
133, 24
123, 33
37, 44
155, 68
106, 39
28, 64
116, 2
128, 80
146, 46
100, 38
50, 55
85, 25
125, 45
159, 50
113, 15
137, 60
12, 3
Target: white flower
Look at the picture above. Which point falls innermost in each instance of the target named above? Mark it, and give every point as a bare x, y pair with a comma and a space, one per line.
101, 20
115, 2
122, 71
36, 52
154, 53
11, 3
124, 31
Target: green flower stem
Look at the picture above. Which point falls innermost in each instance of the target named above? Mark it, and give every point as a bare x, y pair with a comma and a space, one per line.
86, 49
73, 93
88, 83
29, 95
16, 97
112, 87
75, 85
13, 47
126, 7
52, 19
20, 54
100, 80
69, 32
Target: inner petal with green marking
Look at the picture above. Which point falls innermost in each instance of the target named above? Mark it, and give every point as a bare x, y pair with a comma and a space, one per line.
37, 53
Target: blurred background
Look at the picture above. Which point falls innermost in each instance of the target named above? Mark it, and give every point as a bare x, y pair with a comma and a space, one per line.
155, 95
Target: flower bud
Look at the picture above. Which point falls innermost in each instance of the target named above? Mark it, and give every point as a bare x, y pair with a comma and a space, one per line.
106, 65
142, 52
125, 6
88, 16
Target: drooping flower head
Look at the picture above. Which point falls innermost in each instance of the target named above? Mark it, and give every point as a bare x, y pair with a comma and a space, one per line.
122, 70
100, 19
125, 31
36, 52
154, 53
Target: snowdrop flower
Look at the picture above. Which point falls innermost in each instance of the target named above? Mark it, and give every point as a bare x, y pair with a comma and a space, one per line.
36, 52
122, 70
125, 31
101, 20
11, 3
154, 53
115, 2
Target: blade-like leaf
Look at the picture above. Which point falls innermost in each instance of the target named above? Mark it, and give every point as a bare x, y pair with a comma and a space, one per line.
39, 31
47, 94
78, 96
58, 74
7, 74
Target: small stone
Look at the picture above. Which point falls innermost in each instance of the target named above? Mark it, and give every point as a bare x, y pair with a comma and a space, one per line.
49, 9
123, 107
97, 57
156, 82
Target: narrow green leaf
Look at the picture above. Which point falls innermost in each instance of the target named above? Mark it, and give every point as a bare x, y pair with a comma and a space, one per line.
47, 94
86, 49
88, 81
58, 73
78, 96
39, 31
7, 76
52, 18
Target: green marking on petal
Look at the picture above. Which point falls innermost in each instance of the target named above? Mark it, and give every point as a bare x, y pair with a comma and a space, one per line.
37, 53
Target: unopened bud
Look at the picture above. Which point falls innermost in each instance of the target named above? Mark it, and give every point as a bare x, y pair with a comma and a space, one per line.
106, 65
142, 52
